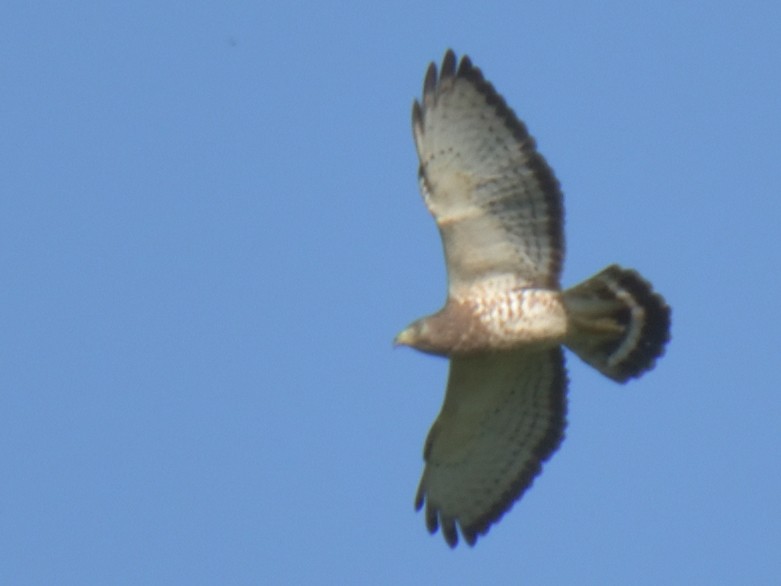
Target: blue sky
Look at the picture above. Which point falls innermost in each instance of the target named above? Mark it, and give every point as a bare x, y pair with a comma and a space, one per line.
210, 231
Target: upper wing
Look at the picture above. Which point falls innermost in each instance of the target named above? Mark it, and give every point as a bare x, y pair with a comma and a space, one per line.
496, 202
504, 414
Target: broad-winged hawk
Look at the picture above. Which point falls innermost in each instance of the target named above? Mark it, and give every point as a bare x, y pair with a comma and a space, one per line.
499, 211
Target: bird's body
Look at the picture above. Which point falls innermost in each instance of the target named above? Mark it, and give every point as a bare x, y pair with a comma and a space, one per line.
499, 210
487, 316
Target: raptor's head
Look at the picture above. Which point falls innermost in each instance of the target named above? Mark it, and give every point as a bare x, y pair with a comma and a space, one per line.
421, 335
411, 335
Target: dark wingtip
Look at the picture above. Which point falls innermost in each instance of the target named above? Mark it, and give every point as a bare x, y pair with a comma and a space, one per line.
465, 66
432, 520
469, 536
448, 64
419, 499
430, 83
417, 114
451, 67
450, 532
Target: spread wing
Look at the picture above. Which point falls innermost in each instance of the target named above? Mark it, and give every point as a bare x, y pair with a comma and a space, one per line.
496, 202
504, 414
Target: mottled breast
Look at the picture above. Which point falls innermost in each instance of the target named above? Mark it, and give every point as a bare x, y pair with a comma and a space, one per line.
509, 318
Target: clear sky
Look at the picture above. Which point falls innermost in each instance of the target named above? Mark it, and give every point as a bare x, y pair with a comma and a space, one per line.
210, 231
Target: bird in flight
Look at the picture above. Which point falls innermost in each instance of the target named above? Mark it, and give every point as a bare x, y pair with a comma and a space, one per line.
499, 210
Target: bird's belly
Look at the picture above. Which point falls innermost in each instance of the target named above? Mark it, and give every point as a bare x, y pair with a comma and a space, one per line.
524, 317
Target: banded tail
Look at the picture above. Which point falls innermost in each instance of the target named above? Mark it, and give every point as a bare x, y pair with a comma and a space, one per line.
618, 324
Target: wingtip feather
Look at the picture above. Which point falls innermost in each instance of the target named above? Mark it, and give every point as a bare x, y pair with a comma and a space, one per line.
448, 64
430, 83
417, 120
449, 531
465, 66
432, 519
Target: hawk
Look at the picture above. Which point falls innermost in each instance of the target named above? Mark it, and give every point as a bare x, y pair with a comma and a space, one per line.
499, 211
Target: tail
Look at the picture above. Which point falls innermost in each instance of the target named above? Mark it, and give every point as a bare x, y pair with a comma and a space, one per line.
618, 324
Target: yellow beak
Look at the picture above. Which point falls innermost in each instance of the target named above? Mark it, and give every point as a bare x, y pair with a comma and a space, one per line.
403, 339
